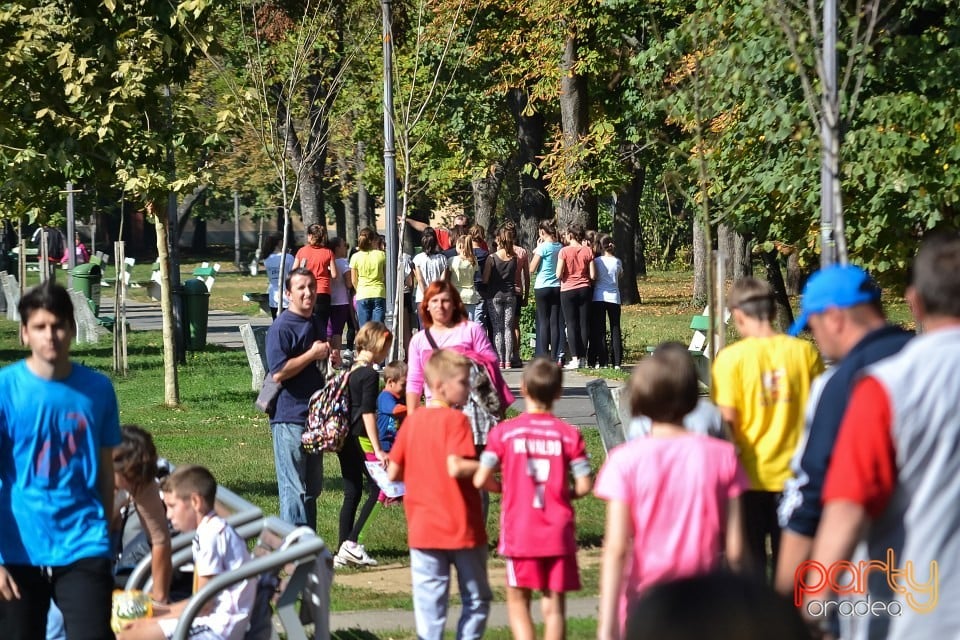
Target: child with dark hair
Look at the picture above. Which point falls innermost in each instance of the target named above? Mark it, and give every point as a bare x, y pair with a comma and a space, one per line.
537, 453
190, 494
59, 423
719, 606
673, 505
135, 473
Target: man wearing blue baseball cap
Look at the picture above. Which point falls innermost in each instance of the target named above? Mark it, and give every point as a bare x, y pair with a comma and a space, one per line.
894, 476
841, 306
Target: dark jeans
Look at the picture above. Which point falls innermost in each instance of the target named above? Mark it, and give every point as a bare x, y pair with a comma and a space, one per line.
599, 312
353, 467
759, 522
82, 591
321, 311
576, 311
549, 334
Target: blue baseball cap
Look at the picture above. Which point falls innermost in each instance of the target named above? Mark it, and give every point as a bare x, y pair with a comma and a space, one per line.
837, 286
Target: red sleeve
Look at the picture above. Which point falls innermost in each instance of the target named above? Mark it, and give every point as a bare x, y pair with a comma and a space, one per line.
398, 452
863, 468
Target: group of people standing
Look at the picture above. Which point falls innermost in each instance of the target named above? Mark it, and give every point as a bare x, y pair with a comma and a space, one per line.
575, 281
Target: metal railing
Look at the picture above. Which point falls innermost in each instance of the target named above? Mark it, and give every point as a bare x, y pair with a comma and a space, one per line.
301, 549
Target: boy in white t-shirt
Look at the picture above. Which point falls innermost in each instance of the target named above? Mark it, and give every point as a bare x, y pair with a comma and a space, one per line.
189, 493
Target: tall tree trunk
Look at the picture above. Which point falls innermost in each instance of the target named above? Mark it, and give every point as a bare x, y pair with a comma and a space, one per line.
701, 253
626, 234
351, 221
794, 276
726, 244
171, 386
198, 243
185, 208
339, 216
742, 256
771, 262
486, 191
574, 122
533, 200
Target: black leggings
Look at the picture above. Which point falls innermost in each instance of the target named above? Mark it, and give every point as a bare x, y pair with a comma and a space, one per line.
353, 468
599, 312
549, 335
576, 312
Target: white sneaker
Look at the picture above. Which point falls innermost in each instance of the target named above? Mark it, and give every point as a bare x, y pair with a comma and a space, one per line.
355, 554
338, 562
573, 364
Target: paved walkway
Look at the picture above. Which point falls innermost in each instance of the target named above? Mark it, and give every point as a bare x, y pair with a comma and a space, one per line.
395, 619
223, 329
574, 407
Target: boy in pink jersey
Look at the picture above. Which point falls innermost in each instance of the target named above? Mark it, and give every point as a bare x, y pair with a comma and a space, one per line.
673, 497
536, 453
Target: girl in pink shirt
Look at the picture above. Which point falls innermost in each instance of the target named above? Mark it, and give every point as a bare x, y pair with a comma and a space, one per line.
673, 506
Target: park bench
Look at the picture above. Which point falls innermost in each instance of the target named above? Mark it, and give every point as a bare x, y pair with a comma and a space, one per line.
11, 295
699, 349
255, 344
292, 566
207, 273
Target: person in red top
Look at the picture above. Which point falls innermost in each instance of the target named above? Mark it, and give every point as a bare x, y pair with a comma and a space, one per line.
576, 271
319, 259
536, 453
435, 457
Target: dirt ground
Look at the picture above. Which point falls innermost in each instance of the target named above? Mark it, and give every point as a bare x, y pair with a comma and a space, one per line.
395, 578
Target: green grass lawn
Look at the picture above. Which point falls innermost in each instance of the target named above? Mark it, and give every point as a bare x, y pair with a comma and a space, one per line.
217, 425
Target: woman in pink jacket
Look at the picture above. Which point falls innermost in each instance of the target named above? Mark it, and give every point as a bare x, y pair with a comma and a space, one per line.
445, 318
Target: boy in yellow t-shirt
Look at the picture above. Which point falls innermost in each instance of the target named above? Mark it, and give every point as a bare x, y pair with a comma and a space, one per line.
760, 385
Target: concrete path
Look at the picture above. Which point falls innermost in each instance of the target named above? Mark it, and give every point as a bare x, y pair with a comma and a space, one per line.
575, 407
224, 330
395, 619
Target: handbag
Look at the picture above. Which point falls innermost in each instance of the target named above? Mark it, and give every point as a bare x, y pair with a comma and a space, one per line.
267, 398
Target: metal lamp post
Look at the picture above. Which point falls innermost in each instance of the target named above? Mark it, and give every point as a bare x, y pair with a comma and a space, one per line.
389, 170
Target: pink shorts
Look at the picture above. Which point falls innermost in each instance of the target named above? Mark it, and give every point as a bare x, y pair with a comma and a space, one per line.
554, 573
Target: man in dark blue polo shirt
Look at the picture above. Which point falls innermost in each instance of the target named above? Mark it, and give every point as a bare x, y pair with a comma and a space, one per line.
841, 306
296, 345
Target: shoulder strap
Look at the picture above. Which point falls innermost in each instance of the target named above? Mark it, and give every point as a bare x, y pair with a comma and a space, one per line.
433, 343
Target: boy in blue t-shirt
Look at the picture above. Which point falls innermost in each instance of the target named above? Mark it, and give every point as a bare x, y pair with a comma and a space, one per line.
390, 410
59, 423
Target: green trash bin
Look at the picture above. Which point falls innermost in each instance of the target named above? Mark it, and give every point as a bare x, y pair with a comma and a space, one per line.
196, 306
86, 280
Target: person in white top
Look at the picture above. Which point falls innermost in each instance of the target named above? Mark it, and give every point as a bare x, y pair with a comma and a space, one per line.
341, 294
272, 264
189, 493
606, 304
429, 265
